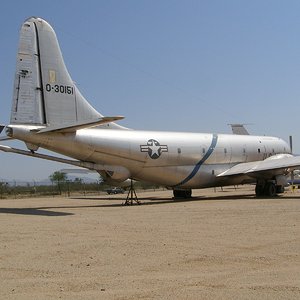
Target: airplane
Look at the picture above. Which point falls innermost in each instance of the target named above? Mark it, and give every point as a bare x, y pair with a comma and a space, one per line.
49, 112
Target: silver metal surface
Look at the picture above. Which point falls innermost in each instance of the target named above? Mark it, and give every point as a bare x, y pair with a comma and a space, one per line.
123, 148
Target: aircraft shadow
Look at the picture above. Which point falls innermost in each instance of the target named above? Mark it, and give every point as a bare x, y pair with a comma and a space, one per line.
164, 200
34, 212
143, 201
47, 211
168, 200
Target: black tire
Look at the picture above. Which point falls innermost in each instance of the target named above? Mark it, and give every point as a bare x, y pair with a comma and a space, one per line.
279, 189
177, 194
270, 189
188, 193
259, 190
183, 194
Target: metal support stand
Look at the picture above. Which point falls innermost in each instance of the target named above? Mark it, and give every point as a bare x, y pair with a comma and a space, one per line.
131, 196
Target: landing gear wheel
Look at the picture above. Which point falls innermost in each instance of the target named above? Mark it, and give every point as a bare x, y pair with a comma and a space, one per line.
279, 189
182, 194
188, 194
176, 193
270, 189
259, 190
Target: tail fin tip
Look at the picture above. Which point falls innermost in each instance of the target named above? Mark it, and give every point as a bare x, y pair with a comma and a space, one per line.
44, 92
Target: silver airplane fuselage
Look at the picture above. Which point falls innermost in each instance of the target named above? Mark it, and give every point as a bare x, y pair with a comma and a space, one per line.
179, 160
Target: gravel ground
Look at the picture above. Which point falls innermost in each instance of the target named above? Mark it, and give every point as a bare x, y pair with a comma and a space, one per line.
219, 245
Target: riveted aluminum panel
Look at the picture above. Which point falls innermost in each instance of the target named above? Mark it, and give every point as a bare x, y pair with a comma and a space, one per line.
27, 96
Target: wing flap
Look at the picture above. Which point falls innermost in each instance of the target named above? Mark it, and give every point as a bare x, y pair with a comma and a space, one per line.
275, 165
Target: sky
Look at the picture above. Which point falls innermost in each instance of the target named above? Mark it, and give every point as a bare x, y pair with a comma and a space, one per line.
167, 65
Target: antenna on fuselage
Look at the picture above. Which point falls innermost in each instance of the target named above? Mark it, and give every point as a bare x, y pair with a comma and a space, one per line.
291, 147
291, 143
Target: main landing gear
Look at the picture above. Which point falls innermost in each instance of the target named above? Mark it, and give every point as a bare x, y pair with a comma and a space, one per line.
182, 194
269, 189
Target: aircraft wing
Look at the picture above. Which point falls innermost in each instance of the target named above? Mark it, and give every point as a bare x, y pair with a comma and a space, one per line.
272, 166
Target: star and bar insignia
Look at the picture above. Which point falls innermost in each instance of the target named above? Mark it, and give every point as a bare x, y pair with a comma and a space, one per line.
154, 148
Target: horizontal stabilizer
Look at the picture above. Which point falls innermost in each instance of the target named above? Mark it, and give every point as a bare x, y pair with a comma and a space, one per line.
80, 125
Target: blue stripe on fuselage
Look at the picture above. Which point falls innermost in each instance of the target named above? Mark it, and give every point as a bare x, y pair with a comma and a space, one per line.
201, 162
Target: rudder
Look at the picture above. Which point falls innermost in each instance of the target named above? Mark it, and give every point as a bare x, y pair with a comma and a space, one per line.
44, 92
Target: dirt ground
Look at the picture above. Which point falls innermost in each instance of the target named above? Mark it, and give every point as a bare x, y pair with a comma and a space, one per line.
219, 245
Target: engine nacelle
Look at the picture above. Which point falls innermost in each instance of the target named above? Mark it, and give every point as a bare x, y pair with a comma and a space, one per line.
115, 173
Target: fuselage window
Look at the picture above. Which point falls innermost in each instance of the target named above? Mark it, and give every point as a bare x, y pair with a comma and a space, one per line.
258, 150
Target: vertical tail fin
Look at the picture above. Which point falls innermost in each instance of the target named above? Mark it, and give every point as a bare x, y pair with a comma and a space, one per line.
28, 100
44, 92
